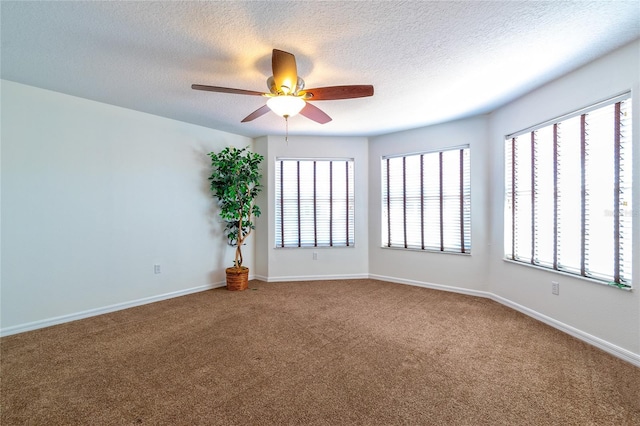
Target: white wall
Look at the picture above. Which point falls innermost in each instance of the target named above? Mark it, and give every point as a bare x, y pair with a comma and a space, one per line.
92, 197
594, 310
463, 272
261, 233
295, 264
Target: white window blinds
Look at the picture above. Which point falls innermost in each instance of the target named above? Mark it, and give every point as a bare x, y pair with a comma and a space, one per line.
314, 203
426, 201
568, 194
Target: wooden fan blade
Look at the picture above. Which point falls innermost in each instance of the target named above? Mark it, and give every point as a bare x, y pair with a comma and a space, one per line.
225, 90
314, 113
338, 92
285, 72
257, 113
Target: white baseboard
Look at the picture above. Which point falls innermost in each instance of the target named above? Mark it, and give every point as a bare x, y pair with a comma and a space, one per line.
452, 289
7, 331
312, 277
608, 347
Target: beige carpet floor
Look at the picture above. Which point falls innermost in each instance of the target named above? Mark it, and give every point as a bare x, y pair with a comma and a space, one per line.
344, 352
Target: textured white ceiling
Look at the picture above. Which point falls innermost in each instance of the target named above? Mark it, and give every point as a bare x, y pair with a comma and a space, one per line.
428, 61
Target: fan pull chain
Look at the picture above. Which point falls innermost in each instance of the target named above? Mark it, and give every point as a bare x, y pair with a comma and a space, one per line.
286, 135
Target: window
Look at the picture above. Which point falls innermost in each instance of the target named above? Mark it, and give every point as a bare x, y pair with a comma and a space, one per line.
568, 193
314, 203
426, 201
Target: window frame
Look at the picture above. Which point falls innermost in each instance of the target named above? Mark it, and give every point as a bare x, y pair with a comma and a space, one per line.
464, 197
349, 200
509, 254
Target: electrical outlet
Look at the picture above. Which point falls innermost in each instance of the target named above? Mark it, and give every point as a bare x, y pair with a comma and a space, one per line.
555, 288
315, 255
156, 269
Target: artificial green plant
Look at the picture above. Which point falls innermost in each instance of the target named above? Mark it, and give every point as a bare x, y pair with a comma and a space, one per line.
235, 182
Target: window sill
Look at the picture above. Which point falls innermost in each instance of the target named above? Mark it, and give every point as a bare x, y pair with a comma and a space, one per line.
314, 247
567, 274
426, 251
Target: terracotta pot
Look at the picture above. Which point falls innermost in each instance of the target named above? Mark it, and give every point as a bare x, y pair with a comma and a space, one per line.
237, 278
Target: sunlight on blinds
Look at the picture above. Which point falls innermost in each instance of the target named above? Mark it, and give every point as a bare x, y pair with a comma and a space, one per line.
568, 194
426, 200
314, 203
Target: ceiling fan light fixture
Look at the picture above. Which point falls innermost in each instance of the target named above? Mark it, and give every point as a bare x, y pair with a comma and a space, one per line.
287, 94
286, 106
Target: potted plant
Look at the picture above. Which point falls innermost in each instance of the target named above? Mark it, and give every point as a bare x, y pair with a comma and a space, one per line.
235, 182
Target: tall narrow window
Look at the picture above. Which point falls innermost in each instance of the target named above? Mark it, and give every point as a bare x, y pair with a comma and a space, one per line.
314, 203
426, 201
568, 193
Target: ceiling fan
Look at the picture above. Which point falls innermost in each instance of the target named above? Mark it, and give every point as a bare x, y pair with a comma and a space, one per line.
287, 95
